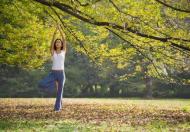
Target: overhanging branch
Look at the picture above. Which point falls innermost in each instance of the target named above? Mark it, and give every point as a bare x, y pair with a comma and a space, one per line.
174, 8
68, 9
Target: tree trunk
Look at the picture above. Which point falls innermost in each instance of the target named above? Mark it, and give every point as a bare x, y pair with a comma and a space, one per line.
148, 83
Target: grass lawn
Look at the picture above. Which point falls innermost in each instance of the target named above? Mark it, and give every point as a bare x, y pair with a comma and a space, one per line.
95, 114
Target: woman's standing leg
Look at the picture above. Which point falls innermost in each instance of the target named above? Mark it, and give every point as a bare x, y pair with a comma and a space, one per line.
57, 89
56, 85
61, 81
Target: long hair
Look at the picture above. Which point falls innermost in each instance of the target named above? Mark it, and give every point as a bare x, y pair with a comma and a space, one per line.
62, 44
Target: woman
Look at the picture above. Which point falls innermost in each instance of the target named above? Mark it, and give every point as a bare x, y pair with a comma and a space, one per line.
56, 78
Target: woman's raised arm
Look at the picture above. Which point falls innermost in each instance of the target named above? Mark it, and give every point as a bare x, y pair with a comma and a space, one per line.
52, 41
63, 39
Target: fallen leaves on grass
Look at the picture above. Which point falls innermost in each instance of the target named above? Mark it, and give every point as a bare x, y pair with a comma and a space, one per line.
121, 113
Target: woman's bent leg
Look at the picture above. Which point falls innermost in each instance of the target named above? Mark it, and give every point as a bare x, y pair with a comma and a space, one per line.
47, 83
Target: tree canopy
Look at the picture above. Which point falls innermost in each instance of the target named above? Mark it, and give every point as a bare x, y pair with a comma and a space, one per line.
153, 34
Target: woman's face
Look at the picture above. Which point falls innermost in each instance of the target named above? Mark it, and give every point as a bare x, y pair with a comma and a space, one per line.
58, 44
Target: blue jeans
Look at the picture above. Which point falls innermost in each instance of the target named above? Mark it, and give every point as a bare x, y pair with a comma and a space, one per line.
48, 84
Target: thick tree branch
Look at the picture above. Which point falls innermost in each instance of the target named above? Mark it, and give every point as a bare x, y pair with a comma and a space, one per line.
174, 8
69, 10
